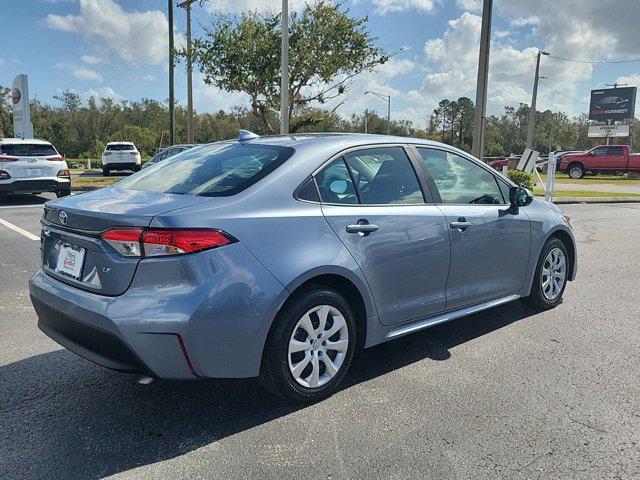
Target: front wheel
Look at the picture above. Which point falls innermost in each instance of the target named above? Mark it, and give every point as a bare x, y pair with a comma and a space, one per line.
310, 346
551, 276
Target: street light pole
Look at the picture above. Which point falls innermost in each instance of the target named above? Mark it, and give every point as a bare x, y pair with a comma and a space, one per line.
386, 98
171, 94
477, 148
186, 4
532, 111
284, 70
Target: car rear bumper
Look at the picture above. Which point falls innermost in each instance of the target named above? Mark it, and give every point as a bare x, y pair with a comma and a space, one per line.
124, 165
206, 315
35, 185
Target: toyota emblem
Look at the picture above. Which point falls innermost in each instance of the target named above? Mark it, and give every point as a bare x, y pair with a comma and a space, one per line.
64, 218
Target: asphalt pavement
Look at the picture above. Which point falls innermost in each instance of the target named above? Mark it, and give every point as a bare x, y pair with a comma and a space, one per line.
507, 393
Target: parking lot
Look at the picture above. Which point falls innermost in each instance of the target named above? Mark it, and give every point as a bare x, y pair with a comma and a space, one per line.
507, 393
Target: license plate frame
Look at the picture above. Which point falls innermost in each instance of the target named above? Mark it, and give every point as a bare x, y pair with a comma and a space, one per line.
70, 260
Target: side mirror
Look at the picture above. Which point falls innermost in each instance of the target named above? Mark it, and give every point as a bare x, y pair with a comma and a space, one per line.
519, 197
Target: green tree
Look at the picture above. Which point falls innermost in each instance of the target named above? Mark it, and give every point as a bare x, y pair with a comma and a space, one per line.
327, 48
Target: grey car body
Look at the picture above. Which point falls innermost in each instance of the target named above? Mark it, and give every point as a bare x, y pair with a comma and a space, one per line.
209, 314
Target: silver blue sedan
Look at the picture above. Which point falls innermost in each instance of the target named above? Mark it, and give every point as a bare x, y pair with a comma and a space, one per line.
280, 257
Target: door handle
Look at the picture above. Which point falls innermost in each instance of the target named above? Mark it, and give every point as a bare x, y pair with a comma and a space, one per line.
363, 227
461, 224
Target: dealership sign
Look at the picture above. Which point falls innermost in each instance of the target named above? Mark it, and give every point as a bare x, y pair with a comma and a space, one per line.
22, 126
612, 104
601, 131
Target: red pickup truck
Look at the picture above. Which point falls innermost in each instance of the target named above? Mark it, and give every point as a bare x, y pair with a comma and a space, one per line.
602, 159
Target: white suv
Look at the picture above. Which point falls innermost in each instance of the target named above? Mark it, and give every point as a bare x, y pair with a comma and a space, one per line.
32, 166
120, 156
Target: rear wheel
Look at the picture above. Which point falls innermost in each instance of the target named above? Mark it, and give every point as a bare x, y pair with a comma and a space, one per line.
576, 171
310, 347
551, 276
105, 171
137, 168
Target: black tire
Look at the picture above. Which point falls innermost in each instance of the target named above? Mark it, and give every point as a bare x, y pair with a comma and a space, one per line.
137, 168
105, 172
536, 298
63, 193
576, 171
275, 374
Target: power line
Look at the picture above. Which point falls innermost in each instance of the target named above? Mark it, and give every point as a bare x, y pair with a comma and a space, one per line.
594, 61
562, 94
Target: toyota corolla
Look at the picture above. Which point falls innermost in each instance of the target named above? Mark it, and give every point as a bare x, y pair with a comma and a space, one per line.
280, 257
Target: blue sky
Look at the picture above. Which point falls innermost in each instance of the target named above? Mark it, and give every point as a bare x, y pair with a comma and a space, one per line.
117, 48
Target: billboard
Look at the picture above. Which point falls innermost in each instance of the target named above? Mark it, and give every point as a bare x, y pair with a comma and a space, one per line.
612, 103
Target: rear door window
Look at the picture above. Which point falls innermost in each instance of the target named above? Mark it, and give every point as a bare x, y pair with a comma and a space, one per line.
214, 171
384, 176
616, 150
461, 181
336, 185
28, 150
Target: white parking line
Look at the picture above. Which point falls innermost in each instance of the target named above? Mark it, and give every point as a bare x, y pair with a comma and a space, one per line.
21, 231
7, 207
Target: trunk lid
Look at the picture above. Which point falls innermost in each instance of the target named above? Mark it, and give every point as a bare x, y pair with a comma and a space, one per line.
72, 228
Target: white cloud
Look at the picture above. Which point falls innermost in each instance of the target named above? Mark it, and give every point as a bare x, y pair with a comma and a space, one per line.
90, 59
454, 60
102, 92
207, 98
86, 74
470, 5
246, 5
149, 78
382, 7
137, 37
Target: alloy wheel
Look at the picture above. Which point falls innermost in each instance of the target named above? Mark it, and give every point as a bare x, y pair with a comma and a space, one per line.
318, 346
554, 273
575, 173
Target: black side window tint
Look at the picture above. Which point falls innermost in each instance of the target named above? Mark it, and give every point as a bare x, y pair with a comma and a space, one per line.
307, 191
335, 184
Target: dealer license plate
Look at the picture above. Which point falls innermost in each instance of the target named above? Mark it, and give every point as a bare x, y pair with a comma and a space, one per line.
70, 260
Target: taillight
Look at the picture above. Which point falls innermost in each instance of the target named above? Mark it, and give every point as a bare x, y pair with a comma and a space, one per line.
8, 159
55, 159
4, 175
156, 242
64, 173
126, 241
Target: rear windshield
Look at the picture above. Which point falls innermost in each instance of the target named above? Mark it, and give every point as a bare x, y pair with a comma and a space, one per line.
121, 147
216, 170
28, 150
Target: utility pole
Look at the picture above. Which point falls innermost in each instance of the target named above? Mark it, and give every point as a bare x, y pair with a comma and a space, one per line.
386, 98
609, 122
284, 70
171, 96
483, 73
366, 121
534, 98
186, 4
